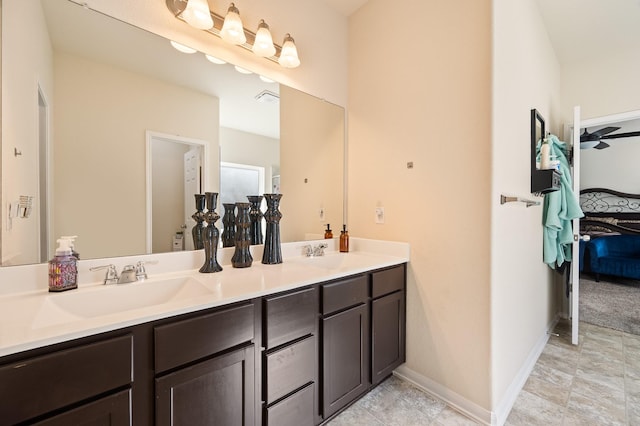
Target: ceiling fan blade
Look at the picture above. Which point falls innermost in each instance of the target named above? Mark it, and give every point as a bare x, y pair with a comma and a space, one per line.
602, 145
621, 135
586, 136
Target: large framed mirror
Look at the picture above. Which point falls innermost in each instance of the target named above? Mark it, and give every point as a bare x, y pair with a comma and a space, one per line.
82, 92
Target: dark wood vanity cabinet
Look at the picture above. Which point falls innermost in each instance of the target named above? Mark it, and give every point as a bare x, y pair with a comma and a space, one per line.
204, 369
388, 322
345, 342
289, 359
90, 381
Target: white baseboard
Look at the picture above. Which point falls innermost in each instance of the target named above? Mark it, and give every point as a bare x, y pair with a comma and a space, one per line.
506, 404
455, 400
471, 409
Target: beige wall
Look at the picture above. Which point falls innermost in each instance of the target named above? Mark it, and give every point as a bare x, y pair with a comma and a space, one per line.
27, 62
312, 159
526, 75
420, 91
100, 149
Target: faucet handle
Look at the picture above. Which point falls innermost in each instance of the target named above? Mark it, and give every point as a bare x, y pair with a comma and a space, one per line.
307, 250
141, 272
111, 276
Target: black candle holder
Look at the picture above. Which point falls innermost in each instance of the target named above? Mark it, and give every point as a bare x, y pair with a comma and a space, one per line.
242, 256
229, 225
211, 235
272, 253
198, 216
256, 219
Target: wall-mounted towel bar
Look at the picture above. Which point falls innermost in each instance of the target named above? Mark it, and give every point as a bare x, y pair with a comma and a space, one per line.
505, 199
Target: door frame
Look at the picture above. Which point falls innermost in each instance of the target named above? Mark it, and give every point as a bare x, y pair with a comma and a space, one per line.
575, 131
150, 136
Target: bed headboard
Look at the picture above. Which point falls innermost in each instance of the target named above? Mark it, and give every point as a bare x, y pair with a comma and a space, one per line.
609, 212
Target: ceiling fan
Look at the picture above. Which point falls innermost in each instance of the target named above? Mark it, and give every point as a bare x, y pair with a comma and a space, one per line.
595, 139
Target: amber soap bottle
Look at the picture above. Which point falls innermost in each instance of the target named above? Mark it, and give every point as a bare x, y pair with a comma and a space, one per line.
344, 240
328, 234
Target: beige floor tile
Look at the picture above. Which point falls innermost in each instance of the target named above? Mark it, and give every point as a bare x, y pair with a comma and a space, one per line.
530, 409
451, 417
550, 384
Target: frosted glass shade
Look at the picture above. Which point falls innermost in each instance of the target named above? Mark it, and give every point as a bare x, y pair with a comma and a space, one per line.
215, 60
289, 54
232, 30
263, 44
198, 15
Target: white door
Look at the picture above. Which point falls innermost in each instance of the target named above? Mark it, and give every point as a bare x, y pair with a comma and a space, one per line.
192, 185
574, 278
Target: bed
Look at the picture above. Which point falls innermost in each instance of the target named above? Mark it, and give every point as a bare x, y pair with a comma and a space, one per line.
612, 220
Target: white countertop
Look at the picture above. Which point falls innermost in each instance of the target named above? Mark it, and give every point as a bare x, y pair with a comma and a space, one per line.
34, 317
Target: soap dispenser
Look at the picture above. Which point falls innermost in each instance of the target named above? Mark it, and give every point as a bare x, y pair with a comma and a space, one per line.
328, 234
344, 240
63, 269
72, 245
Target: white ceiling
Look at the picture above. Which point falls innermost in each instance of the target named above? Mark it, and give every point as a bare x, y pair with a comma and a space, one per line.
591, 29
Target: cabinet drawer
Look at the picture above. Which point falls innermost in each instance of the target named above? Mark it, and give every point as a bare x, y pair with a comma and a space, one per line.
344, 294
290, 368
38, 385
290, 316
112, 410
188, 340
387, 281
296, 410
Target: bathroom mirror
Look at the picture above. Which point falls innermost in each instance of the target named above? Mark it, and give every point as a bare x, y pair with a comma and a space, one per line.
80, 94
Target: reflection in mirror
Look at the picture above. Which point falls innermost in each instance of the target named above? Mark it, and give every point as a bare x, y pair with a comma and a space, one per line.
80, 94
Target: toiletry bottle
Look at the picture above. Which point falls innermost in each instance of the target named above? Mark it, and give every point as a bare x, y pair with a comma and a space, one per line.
327, 233
344, 240
63, 269
545, 157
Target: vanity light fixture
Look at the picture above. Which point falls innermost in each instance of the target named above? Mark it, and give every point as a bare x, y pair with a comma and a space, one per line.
198, 15
266, 79
230, 29
182, 48
263, 44
289, 54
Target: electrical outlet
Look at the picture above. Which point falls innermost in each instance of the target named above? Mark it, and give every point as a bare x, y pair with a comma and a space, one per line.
379, 215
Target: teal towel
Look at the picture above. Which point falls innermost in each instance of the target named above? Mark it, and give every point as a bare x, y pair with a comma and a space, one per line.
559, 209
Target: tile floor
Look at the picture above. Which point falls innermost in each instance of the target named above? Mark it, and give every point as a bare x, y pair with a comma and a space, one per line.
594, 383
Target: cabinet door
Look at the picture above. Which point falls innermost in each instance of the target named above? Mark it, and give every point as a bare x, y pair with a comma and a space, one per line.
388, 335
113, 410
345, 349
219, 391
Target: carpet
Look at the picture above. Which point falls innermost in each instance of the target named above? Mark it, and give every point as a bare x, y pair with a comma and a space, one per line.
614, 303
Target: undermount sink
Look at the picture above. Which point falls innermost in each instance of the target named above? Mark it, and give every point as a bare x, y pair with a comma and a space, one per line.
114, 298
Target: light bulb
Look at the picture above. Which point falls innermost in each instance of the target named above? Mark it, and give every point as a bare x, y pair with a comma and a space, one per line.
198, 15
232, 29
263, 44
242, 70
182, 48
289, 53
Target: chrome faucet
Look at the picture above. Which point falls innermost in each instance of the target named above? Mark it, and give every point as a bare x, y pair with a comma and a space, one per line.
129, 273
310, 251
111, 276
